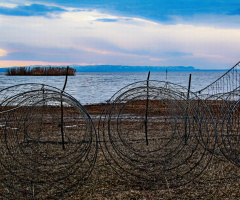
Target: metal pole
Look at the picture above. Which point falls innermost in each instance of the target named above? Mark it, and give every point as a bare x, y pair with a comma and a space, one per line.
146, 115
63, 145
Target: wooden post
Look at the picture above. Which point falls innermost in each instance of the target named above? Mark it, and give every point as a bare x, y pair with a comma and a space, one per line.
63, 143
166, 73
189, 86
146, 115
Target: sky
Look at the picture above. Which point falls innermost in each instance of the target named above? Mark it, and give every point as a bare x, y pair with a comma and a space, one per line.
204, 34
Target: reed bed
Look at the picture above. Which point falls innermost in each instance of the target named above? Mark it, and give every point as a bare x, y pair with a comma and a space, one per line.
40, 71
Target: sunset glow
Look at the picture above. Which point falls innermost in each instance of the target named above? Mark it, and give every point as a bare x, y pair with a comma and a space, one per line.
3, 52
17, 63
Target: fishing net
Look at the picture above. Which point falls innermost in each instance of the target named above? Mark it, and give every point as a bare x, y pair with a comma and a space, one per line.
48, 144
153, 135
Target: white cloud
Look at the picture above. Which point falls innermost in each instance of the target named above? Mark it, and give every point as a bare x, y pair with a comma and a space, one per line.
125, 36
8, 5
3, 52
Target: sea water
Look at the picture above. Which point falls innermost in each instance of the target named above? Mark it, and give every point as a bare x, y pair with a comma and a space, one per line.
93, 87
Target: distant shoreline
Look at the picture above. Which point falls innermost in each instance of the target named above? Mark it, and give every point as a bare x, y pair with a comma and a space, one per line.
4, 70
42, 75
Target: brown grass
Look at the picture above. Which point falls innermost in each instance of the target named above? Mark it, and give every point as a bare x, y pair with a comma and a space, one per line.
219, 181
40, 71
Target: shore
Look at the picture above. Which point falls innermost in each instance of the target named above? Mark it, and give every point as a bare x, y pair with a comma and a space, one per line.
220, 180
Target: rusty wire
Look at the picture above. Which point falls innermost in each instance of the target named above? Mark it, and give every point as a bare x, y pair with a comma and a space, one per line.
151, 134
222, 97
228, 127
33, 162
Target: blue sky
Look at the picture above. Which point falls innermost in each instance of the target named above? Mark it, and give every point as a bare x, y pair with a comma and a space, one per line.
204, 34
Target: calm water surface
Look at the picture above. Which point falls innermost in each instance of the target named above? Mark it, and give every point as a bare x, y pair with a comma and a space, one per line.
96, 87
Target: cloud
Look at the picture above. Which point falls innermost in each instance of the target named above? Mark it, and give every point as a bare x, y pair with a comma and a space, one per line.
164, 11
84, 36
30, 10
27, 56
178, 54
157, 59
11, 63
2, 53
7, 5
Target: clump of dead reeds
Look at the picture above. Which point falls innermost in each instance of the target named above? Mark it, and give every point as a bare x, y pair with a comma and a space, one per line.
40, 71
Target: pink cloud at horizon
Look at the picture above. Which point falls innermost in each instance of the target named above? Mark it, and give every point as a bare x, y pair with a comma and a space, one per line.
17, 63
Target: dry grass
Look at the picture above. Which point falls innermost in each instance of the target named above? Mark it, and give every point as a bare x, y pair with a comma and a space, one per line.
40, 71
220, 180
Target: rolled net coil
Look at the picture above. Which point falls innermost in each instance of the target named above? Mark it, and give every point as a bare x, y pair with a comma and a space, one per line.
228, 127
45, 151
152, 134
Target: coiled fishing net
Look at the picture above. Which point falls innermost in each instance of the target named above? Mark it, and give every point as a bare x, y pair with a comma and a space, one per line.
228, 125
222, 97
48, 144
153, 135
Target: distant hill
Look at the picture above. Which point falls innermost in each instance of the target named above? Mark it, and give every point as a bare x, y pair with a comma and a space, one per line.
122, 68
